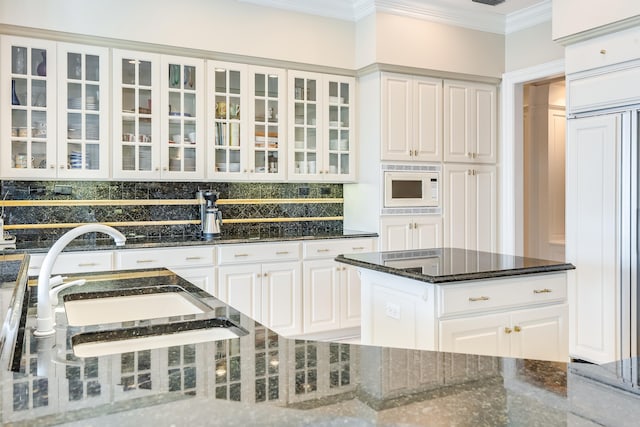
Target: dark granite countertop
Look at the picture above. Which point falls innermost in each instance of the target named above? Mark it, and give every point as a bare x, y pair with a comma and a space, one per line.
103, 242
263, 378
447, 265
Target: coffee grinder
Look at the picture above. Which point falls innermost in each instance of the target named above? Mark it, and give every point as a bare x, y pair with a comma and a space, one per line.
210, 216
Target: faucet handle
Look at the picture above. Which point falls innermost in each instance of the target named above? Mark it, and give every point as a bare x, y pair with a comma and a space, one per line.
56, 281
53, 293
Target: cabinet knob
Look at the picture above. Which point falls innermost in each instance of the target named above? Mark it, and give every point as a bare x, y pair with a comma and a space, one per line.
164, 168
157, 169
603, 51
52, 166
517, 328
265, 274
62, 167
507, 330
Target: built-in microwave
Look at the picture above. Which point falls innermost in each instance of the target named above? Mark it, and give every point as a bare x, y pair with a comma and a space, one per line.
408, 189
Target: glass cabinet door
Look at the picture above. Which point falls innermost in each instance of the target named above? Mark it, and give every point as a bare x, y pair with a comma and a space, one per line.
183, 146
136, 79
305, 118
267, 141
339, 160
225, 105
83, 78
28, 113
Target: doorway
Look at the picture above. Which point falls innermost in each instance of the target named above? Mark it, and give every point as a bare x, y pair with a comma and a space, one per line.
543, 169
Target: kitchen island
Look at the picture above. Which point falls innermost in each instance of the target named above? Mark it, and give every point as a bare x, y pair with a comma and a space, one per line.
263, 378
464, 301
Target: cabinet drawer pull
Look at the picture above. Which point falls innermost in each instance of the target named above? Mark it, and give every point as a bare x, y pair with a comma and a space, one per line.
88, 264
473, 299
145, 261
358, 248
507, 330
240, 255
282, 252
542, 291
193, 258
323, 250
517, 328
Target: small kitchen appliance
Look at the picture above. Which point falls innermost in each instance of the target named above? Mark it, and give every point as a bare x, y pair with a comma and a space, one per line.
210, 216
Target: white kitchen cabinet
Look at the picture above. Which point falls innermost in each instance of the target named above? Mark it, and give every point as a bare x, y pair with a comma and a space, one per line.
83, 111
322, 127
263, 281
537, 333
194, 256
470, 207
404, 232
247, 107
470, 121
331, 290
75, 262
202, 277
158, 116
593, 237
411, 124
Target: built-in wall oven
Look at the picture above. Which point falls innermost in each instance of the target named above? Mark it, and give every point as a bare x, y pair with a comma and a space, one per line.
411, 187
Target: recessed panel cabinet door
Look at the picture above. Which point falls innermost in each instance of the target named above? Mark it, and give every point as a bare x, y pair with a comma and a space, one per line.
476, 335
282, 297
541, 333
396, 117
321, 295
239, 286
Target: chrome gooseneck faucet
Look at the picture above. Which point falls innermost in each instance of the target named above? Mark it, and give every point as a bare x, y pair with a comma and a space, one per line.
45, 321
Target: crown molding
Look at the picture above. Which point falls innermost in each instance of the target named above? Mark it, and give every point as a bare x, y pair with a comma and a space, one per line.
433, 10
529, 17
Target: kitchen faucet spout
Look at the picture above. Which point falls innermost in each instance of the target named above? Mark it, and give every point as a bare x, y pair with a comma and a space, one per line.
44, 321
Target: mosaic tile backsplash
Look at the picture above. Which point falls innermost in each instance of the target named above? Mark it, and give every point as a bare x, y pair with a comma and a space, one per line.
115, 190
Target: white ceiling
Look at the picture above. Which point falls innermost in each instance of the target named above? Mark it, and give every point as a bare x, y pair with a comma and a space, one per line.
504, 18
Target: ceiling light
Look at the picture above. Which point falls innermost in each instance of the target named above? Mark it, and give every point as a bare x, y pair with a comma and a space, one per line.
489, 2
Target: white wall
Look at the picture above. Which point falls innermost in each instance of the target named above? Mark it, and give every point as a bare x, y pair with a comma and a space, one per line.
530, 47
574, 16
216, 25
419, 43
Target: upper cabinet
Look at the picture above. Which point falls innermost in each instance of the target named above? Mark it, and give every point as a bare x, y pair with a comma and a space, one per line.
83, 106
247, 108
469, 122
158, 116
321, 127
411, 118
55, 121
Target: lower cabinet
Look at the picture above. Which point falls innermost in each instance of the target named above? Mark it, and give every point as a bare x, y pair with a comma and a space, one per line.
202, 277
331, 296
403, 232
539, 333
269, 292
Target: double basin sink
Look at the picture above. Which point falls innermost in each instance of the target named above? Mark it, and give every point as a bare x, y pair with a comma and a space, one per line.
141, 318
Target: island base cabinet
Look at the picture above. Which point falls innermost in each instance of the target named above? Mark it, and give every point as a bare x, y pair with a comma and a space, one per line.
397, 312
537, 333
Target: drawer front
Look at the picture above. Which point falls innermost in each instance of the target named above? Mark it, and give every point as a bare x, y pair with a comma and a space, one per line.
332, 248
603, 51
74, 262
166, 257
258, 252
481, 296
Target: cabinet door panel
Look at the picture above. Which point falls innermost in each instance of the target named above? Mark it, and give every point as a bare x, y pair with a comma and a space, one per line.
457, 126
484, 147
395, 233
457, 180
541, 333
427, 232
350, 301
321, 295
281, 297
396, 117
427, 119
239, 286
485, 208
477, 335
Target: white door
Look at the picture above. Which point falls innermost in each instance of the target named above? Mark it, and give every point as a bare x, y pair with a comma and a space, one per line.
202, 277
239, 286
458, 198
427, 232
593, 144
427, 119
350, 301
541, 333
396, 117
282, 297
485, 203
396, 233
487, 335
321, 295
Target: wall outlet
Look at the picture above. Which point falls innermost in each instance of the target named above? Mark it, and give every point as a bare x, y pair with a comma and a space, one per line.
392, 310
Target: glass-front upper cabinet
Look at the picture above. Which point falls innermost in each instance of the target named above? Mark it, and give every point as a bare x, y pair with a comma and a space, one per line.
28, 115
183, 115
136, 124
83, 106
321, 127
226, 109
266, 157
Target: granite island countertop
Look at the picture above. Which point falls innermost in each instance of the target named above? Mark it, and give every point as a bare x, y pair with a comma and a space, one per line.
450, 265
264, 378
